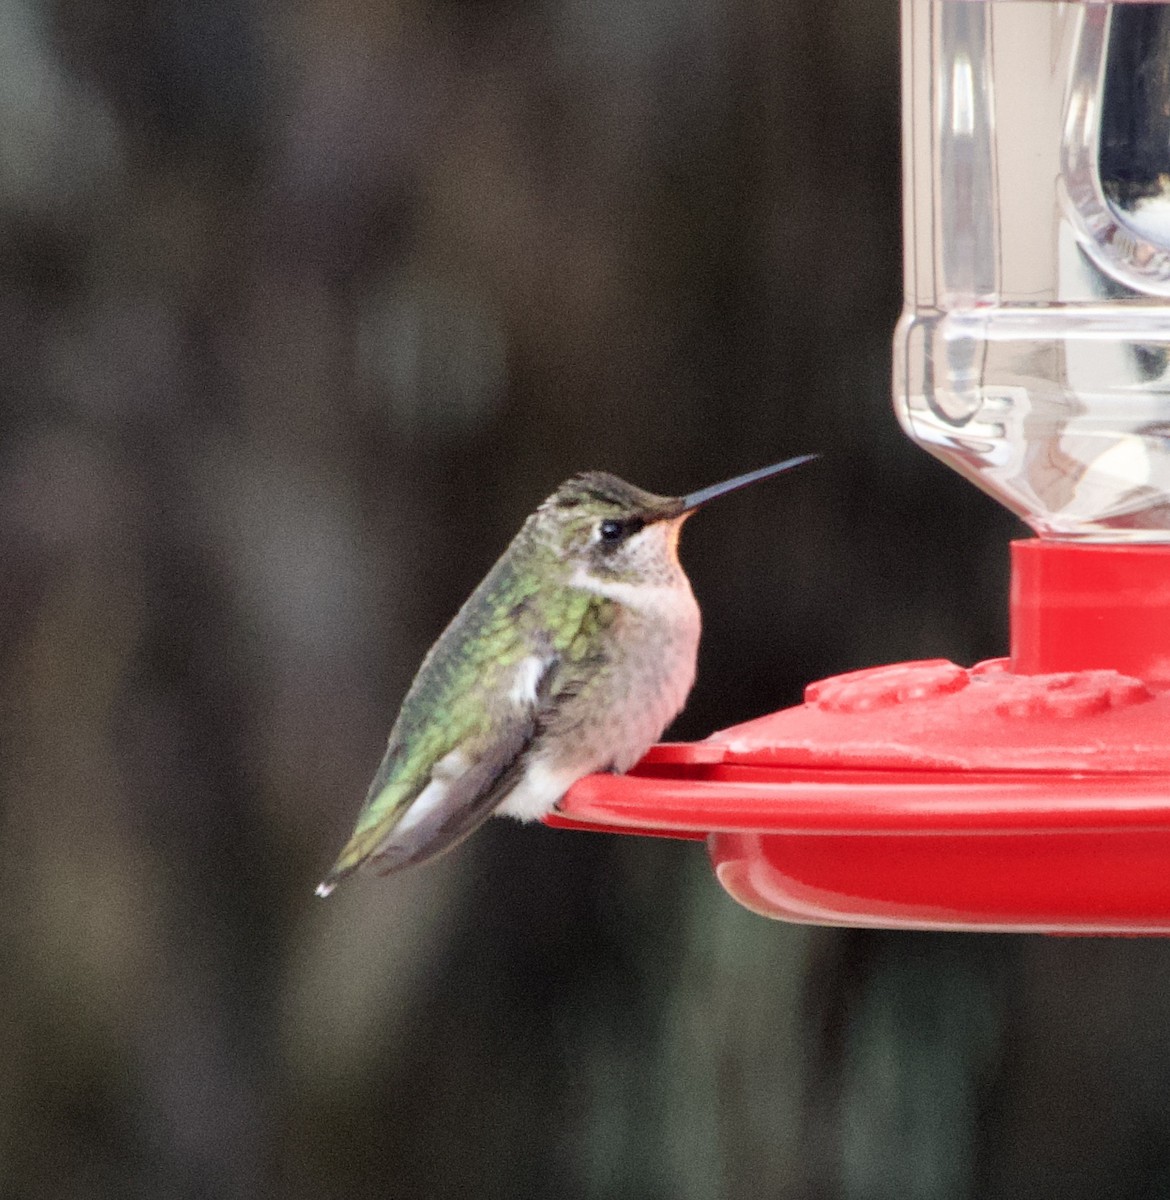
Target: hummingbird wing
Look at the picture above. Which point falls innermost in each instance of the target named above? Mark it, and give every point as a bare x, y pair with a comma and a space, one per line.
472, 713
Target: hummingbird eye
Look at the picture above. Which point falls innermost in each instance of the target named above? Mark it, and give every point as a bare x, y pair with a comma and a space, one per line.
612, 532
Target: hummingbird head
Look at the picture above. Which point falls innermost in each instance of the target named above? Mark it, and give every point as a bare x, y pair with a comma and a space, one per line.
615, 531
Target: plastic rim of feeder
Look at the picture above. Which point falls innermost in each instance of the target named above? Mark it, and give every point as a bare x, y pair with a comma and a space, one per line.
1021, 794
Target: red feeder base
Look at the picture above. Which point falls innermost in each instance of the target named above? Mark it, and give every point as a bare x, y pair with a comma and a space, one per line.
1025, 795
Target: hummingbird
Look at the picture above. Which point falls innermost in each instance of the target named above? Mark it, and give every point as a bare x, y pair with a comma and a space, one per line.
571, 657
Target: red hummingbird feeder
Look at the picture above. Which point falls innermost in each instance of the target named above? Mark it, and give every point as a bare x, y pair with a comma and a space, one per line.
1030, 793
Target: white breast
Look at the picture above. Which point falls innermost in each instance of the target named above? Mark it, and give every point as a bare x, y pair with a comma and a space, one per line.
647, 690
673, 601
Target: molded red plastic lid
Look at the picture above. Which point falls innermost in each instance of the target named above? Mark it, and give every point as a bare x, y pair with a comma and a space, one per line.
1032, 794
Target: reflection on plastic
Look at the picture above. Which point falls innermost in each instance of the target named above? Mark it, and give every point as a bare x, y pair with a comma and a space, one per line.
1033, 352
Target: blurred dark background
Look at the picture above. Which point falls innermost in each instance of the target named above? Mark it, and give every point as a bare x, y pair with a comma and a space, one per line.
303, 308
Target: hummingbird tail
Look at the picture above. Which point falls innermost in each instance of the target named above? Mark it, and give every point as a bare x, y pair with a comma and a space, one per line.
359, 848
326, 886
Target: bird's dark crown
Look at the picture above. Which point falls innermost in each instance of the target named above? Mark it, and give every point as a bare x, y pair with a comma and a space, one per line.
599, 489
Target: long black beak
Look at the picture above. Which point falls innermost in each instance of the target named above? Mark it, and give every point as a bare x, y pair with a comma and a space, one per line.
697, 499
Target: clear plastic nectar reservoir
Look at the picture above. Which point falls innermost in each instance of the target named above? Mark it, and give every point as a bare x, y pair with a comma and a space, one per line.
1033, 354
